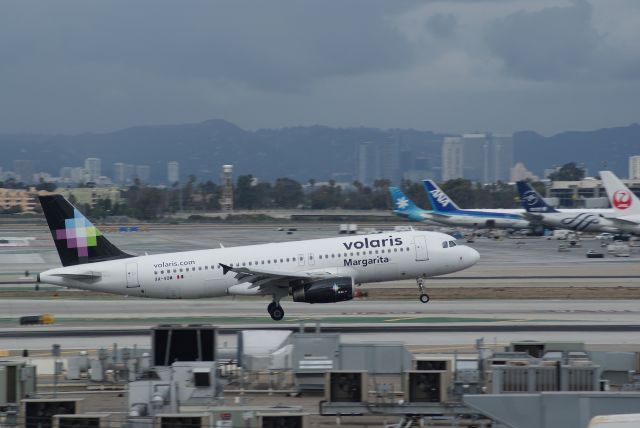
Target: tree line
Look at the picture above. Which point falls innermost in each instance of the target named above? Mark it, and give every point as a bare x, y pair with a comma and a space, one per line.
150, 203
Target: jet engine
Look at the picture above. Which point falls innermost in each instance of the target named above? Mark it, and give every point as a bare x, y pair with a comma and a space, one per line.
329, 290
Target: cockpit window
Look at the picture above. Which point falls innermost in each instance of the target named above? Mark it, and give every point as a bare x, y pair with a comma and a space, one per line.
445, 244
452, 243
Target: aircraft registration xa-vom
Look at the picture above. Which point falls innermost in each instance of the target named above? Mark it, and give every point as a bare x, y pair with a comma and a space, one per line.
311, 271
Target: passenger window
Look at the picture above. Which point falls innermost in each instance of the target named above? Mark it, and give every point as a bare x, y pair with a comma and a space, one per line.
445, 244
206, 267
281, 260
199, 267
401, 249
162, 272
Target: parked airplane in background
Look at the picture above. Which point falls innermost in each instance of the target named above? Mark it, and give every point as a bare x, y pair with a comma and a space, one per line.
404, 207
445, 211
537, 210
312, 271
625, 203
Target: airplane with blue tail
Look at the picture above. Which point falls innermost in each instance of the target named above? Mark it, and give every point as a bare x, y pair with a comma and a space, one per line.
446, 211
404, 207
539, 212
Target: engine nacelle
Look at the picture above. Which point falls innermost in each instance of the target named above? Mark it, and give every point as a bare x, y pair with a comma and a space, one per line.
325, 291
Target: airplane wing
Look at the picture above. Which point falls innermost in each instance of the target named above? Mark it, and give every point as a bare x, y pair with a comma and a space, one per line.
439, 215
621, 222
264, 278
532, 217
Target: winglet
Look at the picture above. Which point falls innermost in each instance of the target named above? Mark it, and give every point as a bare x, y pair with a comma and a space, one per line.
225, 268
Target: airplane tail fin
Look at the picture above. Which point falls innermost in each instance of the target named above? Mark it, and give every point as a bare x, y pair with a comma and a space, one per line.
623, 200
440, 202
531, 200
77, 240
401, 202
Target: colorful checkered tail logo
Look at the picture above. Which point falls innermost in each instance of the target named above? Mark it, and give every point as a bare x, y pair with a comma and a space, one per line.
77, 240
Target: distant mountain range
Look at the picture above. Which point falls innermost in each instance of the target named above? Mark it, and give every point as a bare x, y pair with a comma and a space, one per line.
301, 153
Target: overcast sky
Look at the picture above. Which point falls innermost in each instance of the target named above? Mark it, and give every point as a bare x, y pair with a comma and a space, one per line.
448, 66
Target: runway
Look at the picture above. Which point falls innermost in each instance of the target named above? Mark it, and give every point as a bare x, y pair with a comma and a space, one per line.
440, 323
511, 264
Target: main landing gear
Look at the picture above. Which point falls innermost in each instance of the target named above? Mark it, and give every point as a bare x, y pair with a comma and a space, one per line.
424, 297
275, 310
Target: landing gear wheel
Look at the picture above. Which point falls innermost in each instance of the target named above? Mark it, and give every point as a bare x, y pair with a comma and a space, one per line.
424, 297
271, 306
277, 313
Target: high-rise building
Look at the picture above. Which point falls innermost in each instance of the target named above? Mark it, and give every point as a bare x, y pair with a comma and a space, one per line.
24, 170
634, 167
481, 157
65, 173
378, 160
119, 176
143, 173
475, 157
173, 172
367, 166
92, 168
78, 175
226, 182
501, 157
452, 158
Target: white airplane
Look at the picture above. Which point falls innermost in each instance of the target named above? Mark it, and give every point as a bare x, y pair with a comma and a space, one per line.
311, 271
538, 211
446, 211
625, 203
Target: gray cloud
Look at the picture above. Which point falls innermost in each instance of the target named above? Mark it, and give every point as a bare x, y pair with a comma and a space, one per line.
556, 42
268, 45
442, 25
74, 65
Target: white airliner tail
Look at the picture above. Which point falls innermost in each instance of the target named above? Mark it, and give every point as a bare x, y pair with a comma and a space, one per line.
624, 201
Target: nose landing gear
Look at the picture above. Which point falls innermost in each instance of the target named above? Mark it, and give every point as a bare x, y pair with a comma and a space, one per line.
424, 297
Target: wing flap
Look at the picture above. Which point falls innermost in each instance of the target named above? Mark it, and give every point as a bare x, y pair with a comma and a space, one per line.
262, 279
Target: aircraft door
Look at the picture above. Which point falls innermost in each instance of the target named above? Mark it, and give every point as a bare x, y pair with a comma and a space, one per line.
311, 259
421, 248
132, 275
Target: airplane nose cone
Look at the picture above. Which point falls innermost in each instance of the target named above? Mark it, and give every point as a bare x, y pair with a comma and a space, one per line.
471, 256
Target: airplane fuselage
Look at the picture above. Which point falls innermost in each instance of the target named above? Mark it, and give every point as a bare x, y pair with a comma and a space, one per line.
198, 274
482, 220
579, 221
